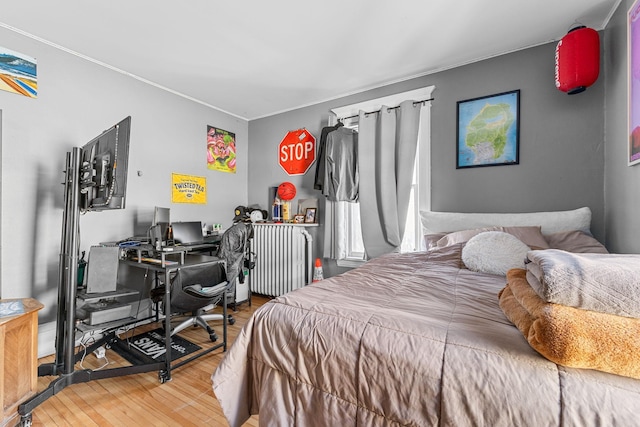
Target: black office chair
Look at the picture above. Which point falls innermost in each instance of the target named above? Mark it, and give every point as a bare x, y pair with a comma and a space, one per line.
234, 249
195, 287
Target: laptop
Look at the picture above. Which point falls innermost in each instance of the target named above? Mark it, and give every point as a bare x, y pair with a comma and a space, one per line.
189, 233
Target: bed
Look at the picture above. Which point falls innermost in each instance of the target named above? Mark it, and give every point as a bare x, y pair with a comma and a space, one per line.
416, 339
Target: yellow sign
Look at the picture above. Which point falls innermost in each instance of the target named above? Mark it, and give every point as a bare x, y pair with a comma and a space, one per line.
188, 189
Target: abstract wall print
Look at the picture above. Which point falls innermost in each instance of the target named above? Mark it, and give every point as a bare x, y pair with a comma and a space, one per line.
488, 131
633, 43
221, 150
18, 73
188, 189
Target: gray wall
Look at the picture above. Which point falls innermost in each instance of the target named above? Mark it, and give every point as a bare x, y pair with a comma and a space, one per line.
622, 183
561, 141
77, 100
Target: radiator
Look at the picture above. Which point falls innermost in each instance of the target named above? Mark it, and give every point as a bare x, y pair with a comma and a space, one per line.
284, 258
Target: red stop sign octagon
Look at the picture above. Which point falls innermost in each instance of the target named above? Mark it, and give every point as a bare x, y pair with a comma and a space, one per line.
297, 152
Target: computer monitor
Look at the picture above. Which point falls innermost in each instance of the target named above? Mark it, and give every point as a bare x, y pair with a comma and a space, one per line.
160, 225
161, 215
185, 233
103, 169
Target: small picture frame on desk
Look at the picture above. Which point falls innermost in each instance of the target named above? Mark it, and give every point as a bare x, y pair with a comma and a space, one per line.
310, 215
298, 219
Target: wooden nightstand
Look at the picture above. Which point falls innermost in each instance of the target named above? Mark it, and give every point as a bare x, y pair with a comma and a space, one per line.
19, 358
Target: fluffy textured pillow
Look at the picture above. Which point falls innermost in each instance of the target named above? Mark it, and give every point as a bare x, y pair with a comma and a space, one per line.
551, 222
494, 252
529, 235
576, 241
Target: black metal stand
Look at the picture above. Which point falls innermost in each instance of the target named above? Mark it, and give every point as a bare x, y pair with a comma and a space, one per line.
67, 284
65, 357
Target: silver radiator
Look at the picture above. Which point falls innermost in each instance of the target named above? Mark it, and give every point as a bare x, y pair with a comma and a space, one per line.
284, 258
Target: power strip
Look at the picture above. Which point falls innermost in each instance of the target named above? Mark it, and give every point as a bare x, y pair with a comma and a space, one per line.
100, 352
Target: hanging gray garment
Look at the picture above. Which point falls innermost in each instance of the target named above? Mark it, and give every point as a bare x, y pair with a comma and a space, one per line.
318, 182
341, 178
233, 249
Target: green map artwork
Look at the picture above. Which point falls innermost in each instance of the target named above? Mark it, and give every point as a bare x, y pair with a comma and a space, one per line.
488, 130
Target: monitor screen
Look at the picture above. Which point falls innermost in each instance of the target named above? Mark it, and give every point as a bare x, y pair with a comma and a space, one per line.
103, 169
161, 215
160, 225
187, 232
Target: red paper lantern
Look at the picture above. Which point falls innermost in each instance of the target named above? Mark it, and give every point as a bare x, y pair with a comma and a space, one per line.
577, 60
286, 191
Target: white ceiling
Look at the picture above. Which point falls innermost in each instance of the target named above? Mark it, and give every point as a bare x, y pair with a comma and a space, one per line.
254, 58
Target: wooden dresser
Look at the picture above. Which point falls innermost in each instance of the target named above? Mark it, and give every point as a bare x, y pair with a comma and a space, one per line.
19, 361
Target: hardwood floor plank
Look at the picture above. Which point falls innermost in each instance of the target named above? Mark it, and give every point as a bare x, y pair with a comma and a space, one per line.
140, 399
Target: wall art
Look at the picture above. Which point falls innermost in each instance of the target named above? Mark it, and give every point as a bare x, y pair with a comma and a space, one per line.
488, 131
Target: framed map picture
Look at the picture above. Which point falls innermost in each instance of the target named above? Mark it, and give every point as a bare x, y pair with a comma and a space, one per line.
488, 132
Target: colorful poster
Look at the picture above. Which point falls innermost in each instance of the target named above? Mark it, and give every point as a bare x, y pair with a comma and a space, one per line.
18, 73
221, 150
188, 189
633, 28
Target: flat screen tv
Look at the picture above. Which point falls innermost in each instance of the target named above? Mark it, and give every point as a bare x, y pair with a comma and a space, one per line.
103, 169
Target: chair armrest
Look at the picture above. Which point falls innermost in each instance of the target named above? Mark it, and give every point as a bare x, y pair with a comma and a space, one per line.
208, 292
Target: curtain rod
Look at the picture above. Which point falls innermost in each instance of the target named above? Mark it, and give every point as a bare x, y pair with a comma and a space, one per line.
390, 108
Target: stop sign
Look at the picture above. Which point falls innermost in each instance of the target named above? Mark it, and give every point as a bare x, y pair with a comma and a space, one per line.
297, 152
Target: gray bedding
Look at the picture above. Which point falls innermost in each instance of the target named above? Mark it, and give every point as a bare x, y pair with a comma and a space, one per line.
606, 283
412, 339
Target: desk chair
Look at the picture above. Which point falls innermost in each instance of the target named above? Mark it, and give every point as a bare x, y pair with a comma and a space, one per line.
235, 251
195, 287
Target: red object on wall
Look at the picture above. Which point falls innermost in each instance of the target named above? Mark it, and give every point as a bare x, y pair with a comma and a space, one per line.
286, 191
297, 152
577, 60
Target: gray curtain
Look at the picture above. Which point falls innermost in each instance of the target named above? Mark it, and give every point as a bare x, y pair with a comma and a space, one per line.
386, 157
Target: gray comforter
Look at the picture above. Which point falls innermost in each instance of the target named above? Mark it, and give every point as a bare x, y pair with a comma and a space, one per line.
413, 339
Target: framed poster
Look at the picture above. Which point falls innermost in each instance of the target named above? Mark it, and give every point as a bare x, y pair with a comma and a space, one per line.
188, 189
633, 46
488, 130
18, 73
221, 150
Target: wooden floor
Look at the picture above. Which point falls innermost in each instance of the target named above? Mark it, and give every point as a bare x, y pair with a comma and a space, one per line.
140, 399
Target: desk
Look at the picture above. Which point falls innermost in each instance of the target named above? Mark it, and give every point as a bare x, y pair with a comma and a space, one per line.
169, 264
147, 253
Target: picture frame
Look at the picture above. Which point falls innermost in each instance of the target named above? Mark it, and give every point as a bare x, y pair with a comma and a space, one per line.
310, 215
488, 130
633, 89
298, 219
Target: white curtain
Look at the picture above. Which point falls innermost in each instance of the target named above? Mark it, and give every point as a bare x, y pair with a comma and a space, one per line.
387, 145
335, 225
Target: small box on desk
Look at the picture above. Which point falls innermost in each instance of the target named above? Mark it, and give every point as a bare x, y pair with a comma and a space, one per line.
96, 313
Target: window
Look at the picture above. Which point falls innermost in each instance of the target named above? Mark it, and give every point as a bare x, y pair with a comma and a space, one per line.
347, 245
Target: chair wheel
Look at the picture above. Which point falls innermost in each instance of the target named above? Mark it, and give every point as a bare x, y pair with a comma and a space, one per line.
231, 320
163, 376
26, 421
213, 337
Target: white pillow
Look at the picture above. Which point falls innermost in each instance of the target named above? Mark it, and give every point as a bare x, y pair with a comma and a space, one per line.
494, 252
550, 222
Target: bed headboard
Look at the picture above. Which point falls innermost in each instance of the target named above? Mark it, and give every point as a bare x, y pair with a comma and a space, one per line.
550, 222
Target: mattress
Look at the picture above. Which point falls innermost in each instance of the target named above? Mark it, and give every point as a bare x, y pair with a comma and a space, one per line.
407, 339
